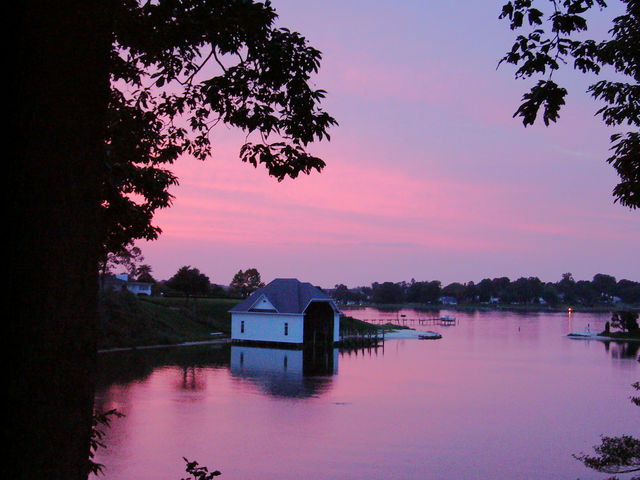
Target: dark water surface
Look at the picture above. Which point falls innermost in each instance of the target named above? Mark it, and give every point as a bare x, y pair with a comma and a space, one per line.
500, 396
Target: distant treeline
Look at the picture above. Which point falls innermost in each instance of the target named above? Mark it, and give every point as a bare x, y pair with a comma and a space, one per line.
187, 281
603, 289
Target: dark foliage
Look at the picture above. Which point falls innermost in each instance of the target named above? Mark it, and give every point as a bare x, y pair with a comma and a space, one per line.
616, 454
197, 472
602, 290
342, 293
178, 69
387, 292
189, 281
625, 321
101, 421
245, 283
424, 292
554, 39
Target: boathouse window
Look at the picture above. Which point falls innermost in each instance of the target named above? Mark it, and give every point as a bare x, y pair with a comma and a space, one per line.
286, 329
242, 326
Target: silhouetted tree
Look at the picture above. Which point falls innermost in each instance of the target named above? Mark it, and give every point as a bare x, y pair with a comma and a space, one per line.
566, 287
60, 86
550, 294
556, 37
455, 290
247, 282
604, 284
628, 291
143, 273
424, 292
178, 70
585, 293
616, 454
91, 170
525, 290
470, 292
387, 292
625, 320
341, 293
127, 258
485, 290
500, 286
189, 281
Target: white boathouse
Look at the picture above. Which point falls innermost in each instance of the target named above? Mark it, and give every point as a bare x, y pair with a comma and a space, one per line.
286, 312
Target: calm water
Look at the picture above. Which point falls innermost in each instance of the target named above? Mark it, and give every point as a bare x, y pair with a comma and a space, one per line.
500, 396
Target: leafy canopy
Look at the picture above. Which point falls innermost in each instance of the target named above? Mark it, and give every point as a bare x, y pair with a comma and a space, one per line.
625, 320
178, 69
551, 41
616, 454
247, 282
189, 281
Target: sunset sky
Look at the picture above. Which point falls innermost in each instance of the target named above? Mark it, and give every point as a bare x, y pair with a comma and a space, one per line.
428, 175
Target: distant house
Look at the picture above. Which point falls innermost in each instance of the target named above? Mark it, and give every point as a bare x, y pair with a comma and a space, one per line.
448, 300
120, 282
286, 312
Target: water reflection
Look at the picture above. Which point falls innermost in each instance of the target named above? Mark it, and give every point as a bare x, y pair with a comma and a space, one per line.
123, 368
498, 393
622, 349
285, 373
193, 379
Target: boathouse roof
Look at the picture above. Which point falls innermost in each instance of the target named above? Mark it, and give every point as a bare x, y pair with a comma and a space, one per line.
283, 295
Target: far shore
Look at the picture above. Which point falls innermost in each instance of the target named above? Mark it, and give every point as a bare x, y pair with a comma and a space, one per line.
497, 307
606, 338
130, 323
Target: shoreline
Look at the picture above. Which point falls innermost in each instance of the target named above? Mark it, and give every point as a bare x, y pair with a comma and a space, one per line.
217, 341
602, 338
493, 308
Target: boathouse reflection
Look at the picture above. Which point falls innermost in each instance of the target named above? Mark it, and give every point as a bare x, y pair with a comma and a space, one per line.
284, 372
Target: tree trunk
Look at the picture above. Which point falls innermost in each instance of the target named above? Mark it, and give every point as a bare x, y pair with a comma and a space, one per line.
62, 85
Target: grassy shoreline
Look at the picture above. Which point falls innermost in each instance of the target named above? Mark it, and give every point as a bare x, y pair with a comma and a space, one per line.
127, 321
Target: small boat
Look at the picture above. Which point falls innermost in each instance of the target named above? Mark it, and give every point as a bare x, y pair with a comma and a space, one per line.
447, 318
584, 334
429, 336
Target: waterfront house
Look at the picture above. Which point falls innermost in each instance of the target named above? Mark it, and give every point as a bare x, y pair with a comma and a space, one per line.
286, 312
448, 300
121, 282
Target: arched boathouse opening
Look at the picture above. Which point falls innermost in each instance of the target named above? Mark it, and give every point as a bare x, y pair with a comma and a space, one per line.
318, 339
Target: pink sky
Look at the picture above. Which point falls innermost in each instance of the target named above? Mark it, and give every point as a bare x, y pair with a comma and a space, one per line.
427, 176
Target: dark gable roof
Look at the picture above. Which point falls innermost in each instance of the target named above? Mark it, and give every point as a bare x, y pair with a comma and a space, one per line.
287, 295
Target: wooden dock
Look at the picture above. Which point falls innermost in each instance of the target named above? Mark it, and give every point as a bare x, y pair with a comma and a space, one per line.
403, 320
355, 339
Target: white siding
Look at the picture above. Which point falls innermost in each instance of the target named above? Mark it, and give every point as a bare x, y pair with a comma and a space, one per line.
139, 288
336, 327
267, 327
263, 304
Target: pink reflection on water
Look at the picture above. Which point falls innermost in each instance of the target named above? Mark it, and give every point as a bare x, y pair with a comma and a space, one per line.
502, 395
